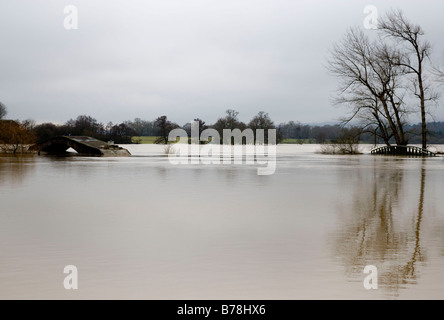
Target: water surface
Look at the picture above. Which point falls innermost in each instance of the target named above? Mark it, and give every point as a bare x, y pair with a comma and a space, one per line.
142, 228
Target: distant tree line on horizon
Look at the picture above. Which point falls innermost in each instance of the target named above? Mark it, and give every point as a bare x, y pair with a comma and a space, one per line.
288, 132
127, 132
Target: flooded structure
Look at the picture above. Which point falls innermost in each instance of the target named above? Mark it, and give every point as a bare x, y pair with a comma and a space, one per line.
403, 151
85, 146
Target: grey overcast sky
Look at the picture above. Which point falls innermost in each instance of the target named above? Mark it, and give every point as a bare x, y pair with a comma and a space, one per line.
183, 58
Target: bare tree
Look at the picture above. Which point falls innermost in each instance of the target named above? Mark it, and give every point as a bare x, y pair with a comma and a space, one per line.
371, 85
439, 74
15, 136
3, 111
416, 53
347, 142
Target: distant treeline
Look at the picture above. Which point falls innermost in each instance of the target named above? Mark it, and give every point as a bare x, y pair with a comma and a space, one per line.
124, 132
289, 132
331, 133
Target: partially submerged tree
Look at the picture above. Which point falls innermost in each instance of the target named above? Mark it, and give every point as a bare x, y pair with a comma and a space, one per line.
414, 58
371, 85
346, 144
379, 78
15, 136
348, 140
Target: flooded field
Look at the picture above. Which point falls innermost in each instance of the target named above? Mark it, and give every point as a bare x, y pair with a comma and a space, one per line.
143, 228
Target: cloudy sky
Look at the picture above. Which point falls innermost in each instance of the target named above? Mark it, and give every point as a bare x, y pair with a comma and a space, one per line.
182, 58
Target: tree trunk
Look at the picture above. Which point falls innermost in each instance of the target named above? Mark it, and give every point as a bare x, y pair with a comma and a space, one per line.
423, 111
402, 139
390, 120
381, 127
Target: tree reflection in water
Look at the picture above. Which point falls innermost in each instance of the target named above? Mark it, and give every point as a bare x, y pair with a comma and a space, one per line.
377, 227
14, 169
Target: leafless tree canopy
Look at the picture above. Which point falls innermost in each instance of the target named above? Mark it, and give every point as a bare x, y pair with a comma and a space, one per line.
439, 74
371, 84
416, 51
378, 77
